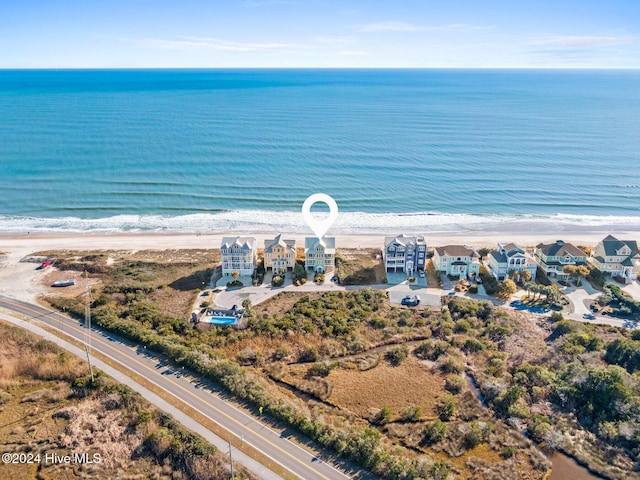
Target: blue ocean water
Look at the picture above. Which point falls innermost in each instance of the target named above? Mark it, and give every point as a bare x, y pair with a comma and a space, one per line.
207, 150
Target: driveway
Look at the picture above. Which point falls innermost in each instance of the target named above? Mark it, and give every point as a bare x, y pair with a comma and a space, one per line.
633, 289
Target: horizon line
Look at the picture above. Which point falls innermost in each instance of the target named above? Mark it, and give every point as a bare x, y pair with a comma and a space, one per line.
334, 68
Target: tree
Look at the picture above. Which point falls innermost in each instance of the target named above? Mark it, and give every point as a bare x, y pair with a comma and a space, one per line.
525, 275
483, 252
581, 272
506, 289
235, 274
513, 274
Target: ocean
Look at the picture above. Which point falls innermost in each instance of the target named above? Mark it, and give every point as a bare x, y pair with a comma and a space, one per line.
399, 150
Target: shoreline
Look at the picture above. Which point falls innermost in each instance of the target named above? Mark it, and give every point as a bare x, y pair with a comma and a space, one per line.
25, 243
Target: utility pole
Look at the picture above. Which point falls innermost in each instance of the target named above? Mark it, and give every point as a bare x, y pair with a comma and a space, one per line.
231, 462
87, 325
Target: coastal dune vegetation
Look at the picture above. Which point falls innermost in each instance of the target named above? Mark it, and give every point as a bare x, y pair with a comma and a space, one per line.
469, 389
49, 405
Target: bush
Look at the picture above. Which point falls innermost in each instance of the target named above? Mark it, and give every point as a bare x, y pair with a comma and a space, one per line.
235, 283
319, 278
397, 355
556, 317
320, 370
446, 407
299, 272
412, 413
454, 384
277, 281
434, 432
383, 416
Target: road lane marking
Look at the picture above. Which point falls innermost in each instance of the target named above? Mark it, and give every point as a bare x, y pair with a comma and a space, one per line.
190, 393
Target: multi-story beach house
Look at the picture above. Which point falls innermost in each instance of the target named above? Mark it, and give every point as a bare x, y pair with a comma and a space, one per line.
279, 254
457, 261
319, 254
617, 257
510, 257
553, 257
238, 255
404, 254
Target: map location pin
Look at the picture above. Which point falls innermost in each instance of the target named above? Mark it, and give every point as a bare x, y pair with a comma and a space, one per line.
319, 227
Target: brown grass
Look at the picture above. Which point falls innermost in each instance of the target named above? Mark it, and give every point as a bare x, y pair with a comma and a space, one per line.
361, 266
412, 383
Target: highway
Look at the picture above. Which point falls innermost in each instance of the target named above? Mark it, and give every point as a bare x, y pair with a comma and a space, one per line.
300, 462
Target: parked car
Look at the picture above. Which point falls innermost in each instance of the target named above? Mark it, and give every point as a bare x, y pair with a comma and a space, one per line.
589, 316
451, 293
411, 300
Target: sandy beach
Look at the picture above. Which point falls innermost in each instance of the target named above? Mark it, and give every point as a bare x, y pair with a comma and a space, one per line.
25, 244
18, 278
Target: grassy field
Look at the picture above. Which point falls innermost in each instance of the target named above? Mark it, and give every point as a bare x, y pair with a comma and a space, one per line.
385, 386
359, 266
47, 407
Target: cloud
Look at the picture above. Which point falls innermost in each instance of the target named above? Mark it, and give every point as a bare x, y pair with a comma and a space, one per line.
388, 27
577, 41
410, 27
351, 53
334, 40
216, 45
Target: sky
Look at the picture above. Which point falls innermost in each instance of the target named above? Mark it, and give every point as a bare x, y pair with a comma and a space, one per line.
320, 34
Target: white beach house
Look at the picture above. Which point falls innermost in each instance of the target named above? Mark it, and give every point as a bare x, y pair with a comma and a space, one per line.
617, 257
457, 261
510, 257
319, 254
279, 254
238, 254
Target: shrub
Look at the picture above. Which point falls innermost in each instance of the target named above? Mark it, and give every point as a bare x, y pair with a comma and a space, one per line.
309, 355
434, 432
277, 281
446, 407
319, 278
556, 317
383, 416
235, 283
454, 384
397, 355
320, 369
412, 413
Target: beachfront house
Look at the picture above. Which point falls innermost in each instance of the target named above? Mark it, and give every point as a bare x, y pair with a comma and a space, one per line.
238, 254
404, 254
617, 257
456, 261
279, 254
553, 257
319, 254
510, 257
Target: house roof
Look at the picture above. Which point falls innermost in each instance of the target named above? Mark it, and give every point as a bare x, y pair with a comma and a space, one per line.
329, 243
499, 257
402, 240
287, 244
560, 249
456, 251
246, 243
612, 245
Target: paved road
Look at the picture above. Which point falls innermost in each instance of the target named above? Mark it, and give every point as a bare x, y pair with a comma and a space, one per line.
300, 462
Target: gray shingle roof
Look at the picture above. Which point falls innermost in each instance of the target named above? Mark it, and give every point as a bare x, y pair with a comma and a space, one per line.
456, 251
560, 249
612, 245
